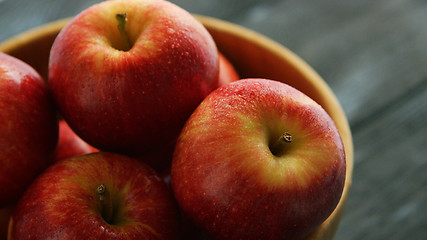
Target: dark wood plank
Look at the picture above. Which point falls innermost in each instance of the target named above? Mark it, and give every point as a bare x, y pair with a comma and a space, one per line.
389, 195
21, 15
361, 48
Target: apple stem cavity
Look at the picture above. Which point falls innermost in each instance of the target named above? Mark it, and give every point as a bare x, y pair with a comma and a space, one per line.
280, 145
105, 203
122, 19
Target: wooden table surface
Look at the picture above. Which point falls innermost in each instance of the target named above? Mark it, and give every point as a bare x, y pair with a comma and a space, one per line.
372, 53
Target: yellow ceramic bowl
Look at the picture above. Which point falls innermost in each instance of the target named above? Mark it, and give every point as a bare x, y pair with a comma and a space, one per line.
252, 54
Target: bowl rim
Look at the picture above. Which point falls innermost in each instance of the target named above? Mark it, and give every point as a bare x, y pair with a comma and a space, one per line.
328, 228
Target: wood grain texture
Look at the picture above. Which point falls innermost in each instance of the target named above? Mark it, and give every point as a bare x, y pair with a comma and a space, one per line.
373, 54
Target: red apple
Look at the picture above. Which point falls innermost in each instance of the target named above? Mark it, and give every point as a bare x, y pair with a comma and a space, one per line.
258, 159
28, 127
69, 144
227, 72
130, 88
96, 196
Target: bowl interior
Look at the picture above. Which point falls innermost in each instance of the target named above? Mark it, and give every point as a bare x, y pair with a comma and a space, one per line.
252, 54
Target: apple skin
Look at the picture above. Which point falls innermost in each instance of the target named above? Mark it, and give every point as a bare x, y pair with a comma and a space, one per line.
63, 204
226, 178
133, 101
28, 127
227, 72
69, 144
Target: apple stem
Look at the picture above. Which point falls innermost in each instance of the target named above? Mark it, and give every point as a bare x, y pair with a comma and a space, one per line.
105, 203
122, 19
278, 147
